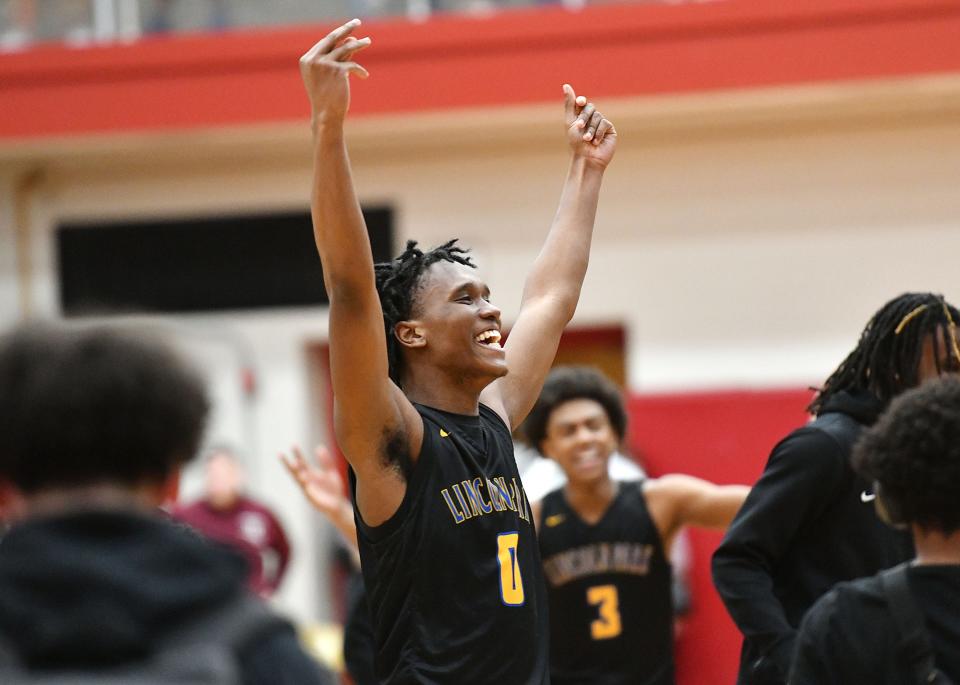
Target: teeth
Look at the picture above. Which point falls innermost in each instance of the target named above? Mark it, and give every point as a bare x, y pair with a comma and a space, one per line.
491, 335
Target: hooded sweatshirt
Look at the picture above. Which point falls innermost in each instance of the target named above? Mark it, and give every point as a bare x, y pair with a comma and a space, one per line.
98, 588
807, 524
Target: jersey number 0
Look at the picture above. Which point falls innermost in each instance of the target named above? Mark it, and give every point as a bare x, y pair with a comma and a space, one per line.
511, 583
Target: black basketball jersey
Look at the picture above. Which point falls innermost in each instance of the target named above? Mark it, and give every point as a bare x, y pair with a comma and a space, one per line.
608, 585
454, 580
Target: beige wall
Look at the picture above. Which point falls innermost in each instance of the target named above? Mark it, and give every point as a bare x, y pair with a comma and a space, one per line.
743, 239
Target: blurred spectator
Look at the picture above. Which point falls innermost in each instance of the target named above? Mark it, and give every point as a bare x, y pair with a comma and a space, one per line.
96, 585
227, 515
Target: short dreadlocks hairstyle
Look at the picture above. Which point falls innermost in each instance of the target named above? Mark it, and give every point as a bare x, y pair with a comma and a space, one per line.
913, 451
566, 383
398, 282
886, 358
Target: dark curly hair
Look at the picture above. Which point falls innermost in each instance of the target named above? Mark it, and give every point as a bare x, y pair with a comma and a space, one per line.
566, 383
83, 406
397, 284
884, 363
913, 451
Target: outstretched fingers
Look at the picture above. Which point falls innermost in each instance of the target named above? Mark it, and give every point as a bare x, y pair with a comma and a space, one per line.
324, 458
348, 48
329, 41
296, 465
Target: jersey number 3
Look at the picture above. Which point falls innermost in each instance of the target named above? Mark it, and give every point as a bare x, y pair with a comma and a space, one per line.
511, 583
606, 598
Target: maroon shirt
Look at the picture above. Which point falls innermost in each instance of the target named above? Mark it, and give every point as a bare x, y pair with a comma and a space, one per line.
251, 529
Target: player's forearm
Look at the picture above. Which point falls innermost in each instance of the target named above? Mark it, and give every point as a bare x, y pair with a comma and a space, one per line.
724, 503
559, 270
338, 226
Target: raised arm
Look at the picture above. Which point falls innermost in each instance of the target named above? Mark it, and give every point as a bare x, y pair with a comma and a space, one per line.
552, 288
369, 410
677, 500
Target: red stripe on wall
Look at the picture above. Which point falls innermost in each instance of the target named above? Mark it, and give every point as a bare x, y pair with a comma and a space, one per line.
163, 83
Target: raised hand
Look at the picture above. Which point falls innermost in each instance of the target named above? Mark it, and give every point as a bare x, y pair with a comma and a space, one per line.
325, 69
589, 133
321, 482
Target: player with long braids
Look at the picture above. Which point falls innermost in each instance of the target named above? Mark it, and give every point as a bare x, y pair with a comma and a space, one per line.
809, 522
424, 407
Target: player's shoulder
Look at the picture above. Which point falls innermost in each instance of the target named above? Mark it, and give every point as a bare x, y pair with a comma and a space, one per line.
490, 417
821, 445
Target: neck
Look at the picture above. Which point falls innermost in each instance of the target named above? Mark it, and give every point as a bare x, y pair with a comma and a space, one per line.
591, 496
434, 388
936, 547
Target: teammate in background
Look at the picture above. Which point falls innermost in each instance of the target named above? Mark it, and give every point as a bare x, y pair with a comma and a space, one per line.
809, 521
902, 625
424, 407
96, 584
605, 544
227, 515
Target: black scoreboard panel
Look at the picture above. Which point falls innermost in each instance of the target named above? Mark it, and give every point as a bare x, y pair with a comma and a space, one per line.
251, 261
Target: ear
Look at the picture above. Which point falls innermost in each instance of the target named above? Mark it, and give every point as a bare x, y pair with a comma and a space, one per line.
410, 334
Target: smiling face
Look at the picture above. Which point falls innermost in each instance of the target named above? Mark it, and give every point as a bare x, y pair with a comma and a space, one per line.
454, 326
581, 439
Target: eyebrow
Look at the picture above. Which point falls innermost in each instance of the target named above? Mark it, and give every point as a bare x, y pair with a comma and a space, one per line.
468, 285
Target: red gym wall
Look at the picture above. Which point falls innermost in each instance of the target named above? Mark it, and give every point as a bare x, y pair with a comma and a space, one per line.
724, 437
238, 78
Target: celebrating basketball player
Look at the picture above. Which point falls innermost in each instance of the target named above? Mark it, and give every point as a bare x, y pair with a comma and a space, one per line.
605, 545
424, 407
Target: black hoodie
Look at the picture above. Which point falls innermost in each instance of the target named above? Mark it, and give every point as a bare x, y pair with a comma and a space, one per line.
808, 523
93, 589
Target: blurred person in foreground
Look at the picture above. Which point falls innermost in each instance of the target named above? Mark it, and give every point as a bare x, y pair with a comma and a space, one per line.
901, 626
96, 584
809, 521
228, 515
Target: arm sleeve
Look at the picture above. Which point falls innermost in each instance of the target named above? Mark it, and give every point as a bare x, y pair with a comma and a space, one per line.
801, 475
813, 662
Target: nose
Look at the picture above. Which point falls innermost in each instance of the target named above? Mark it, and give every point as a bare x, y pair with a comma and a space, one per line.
584, 435
488, 310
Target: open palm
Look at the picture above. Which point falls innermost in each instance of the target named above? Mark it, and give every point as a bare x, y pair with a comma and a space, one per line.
320, 482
